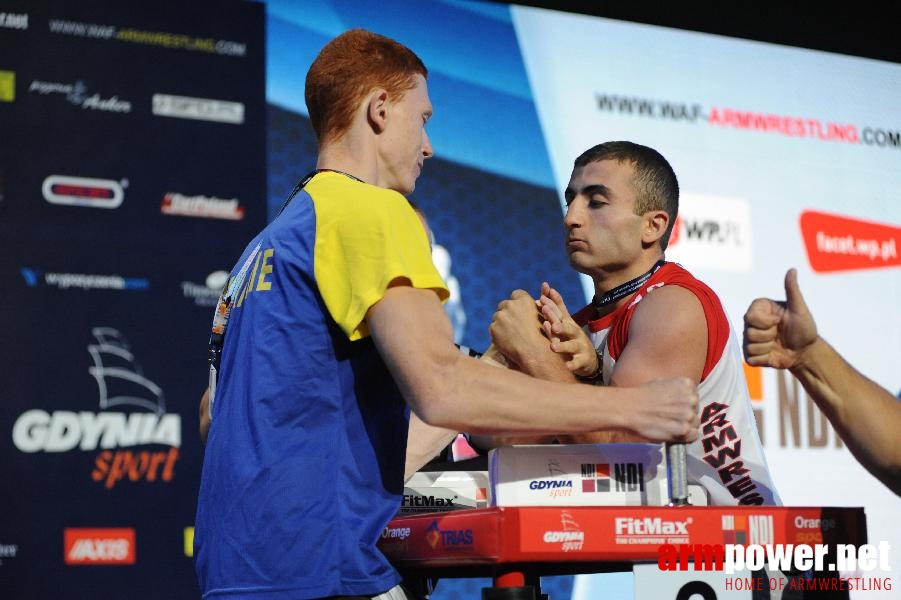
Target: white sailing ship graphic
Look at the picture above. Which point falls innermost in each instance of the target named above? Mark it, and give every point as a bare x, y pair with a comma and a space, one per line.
120, 379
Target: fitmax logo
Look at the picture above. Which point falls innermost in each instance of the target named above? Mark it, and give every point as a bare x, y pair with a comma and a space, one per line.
651, 526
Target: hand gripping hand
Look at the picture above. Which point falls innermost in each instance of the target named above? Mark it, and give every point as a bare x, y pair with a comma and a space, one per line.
566, 336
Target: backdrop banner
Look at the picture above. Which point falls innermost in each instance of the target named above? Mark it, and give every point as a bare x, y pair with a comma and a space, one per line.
132, 173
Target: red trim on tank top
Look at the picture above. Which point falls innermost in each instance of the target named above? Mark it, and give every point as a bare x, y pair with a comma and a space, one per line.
669, 274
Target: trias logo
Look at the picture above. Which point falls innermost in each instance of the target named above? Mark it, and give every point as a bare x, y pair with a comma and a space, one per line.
449, 539
120, 383
83, 191
205, 207
109, 546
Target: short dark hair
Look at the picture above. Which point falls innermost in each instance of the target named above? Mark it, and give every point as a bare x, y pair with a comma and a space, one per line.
347, 69
655, 180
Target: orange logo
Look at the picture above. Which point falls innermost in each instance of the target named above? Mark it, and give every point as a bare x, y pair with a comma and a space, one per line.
754, 379
836, 243
109, 546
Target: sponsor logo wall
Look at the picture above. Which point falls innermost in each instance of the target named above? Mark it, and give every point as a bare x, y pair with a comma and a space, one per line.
132, 172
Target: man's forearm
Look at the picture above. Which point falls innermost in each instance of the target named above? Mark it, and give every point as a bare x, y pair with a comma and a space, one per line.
551, 368
865, 415
424, 443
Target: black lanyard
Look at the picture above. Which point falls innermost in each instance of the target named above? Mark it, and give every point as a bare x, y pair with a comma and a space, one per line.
623, 290
306, 180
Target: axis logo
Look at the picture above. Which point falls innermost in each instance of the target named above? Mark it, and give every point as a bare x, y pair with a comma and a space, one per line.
108, 546
83, 191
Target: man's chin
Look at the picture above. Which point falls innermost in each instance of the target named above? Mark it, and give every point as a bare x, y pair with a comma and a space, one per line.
404, 189
578, 265
574, 261
408, 186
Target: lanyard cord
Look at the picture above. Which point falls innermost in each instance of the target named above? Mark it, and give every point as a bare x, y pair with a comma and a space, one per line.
623, 290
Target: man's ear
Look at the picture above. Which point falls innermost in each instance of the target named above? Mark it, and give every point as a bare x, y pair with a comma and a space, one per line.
377, 109
655, 224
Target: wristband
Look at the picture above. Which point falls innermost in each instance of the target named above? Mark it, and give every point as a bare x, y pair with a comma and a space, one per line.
596, 378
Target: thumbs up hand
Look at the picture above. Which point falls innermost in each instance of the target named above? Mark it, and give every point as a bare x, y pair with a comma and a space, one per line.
777, 332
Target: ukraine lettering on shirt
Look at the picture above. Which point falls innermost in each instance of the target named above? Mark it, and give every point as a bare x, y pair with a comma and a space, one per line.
258, 282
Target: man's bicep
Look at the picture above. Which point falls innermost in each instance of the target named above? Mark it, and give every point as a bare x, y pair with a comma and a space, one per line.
414, 337
667, 338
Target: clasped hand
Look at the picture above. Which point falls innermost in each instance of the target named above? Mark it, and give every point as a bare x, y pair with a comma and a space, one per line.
523, 329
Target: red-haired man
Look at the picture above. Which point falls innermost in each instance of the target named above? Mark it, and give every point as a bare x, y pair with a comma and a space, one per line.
331, 331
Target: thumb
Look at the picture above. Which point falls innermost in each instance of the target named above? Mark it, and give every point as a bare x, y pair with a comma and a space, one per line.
793, 297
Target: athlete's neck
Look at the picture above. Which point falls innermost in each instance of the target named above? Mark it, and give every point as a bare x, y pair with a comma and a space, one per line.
352, 153
612, 291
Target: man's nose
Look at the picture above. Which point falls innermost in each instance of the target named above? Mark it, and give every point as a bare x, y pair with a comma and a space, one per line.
572, 217
427, 150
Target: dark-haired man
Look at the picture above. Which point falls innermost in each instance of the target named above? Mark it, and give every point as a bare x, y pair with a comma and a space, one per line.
649, 318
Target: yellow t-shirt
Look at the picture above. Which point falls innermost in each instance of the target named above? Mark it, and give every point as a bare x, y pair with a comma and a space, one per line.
366, 238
